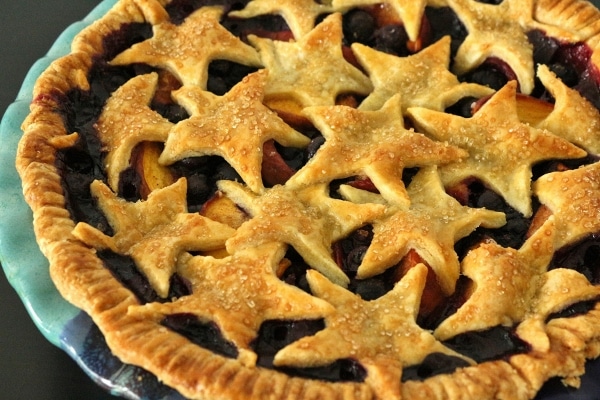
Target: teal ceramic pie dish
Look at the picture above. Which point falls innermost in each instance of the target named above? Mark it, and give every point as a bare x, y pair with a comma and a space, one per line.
27, 269
66, 326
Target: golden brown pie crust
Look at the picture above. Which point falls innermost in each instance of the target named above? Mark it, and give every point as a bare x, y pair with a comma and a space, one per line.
559, 348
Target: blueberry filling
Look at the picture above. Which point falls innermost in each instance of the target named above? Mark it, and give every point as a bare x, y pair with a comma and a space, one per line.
295, 273
488, 74
434, 364
544, 47
391, 39
495, 343
463, 107
201, 174
358, 26
344, 370
349, 253
130, 185
223, 75
512, 234
446, 22
204, 334
270, 26
582, 257
570, 62
125, 271
128, 35
78, 170
275, 335
574, 310
448, 307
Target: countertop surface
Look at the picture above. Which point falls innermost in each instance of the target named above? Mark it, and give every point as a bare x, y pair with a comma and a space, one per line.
31, 367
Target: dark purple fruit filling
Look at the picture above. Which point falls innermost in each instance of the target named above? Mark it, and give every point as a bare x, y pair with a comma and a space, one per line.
488, 74
125, 271
582, 257
223, 75
448, 306
294, 157
445, 22
269, 26
546, 167
570, 62
128, 35
358, 27
434, 364
391, 39
314, 145
349, 253
295, 273
512, 234
202, 174
276, 334
204, 334
496, 343
574, 310
130, 185
344, 370
78, 170
462, 108
544, 47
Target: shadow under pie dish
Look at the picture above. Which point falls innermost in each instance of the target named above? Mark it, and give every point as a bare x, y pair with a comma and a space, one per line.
341, 200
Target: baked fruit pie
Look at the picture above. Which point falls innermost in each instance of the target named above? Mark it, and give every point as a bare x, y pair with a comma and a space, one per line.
353, 199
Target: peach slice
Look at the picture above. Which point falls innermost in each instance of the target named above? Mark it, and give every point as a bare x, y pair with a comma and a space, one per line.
530, 110
275, 171
221, 209
154, 176
432, 295
542, 214
290, 111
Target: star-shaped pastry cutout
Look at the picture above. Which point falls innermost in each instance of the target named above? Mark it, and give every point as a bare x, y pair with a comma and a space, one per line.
307, 219
127, 120
410, 12
238, 293
496, 31
311, 71
431, 226
153, 232
381, 335
423, 79
234, 126
574, 198
300, 15
505, 281
186, 50
573, 117
559, 289
371, 143
502, 149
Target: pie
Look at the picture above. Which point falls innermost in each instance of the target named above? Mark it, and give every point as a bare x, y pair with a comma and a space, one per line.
344, 199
